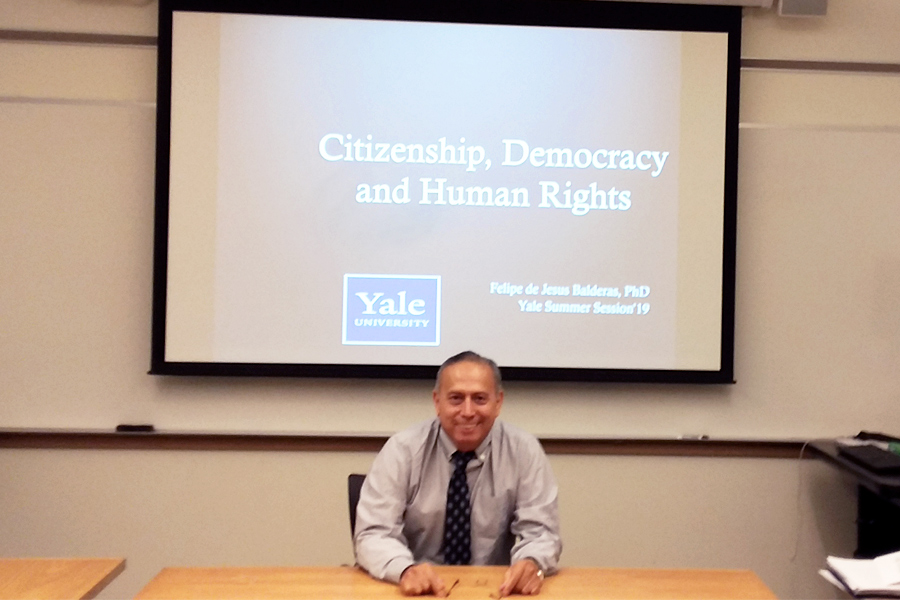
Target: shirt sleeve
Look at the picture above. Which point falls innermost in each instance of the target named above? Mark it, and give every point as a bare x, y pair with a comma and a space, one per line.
380, 546
535, 523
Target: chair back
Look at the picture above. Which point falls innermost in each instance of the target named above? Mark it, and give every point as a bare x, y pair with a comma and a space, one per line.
354, 485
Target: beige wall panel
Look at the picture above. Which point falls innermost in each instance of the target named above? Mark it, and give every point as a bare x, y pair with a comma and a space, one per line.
78, 72
123, 17
808, 98
852, 31
157, 508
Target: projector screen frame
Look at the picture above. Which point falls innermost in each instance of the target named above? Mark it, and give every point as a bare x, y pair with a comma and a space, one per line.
555, 13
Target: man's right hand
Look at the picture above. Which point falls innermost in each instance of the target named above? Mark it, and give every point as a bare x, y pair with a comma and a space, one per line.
421, 579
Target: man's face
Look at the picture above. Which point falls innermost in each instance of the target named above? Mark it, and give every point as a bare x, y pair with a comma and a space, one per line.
467, 403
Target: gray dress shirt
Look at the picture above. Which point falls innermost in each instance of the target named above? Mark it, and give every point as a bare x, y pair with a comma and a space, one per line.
400, 516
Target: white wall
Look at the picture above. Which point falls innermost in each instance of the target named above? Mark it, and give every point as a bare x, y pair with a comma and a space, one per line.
817, 334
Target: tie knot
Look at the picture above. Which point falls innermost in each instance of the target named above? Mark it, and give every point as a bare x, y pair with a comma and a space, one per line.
461, 459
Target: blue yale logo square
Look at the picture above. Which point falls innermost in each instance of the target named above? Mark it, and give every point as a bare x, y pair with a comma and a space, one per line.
392, 310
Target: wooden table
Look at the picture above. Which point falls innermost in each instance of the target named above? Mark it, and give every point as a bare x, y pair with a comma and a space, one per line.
52, 578
349, 583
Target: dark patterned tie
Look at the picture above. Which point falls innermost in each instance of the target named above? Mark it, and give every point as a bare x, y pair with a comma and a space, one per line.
457, 535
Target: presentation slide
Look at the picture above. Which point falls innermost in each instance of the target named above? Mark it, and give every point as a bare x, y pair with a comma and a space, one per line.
352, 191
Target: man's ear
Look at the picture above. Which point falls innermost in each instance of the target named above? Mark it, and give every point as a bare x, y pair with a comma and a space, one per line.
434, 397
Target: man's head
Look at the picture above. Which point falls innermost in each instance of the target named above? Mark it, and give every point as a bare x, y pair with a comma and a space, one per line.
467, 397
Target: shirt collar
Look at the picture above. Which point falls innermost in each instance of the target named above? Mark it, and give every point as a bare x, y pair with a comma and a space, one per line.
448, 447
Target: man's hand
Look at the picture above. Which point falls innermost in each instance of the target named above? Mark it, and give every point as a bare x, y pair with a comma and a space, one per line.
524, 577
422, 579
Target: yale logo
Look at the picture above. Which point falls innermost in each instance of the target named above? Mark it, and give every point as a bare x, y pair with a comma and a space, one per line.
387, 307
392, 310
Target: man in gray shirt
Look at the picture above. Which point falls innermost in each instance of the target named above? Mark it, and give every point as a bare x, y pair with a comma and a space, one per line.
400, 519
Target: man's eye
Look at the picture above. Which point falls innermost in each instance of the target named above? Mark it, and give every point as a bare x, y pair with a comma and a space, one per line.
480, 400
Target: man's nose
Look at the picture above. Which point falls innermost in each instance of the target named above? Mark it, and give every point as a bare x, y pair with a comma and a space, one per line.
468, 407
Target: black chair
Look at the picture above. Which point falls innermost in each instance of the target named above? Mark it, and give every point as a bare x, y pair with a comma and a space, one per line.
354, 485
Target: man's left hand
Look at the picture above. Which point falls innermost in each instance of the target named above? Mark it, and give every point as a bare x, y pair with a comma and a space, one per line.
524, 577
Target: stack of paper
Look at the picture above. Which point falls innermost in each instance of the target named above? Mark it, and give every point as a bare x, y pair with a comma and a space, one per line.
878, 576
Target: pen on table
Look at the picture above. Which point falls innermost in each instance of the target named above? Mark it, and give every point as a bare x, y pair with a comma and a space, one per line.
452, 586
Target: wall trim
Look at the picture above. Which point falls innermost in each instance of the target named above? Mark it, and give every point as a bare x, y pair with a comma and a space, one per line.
72, 37
242, 442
